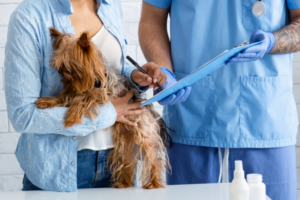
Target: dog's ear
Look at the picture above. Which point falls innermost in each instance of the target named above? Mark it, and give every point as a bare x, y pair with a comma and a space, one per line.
56, 36
84, 40
54, 33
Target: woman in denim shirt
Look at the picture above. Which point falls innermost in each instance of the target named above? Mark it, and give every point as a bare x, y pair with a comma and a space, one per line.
47, 152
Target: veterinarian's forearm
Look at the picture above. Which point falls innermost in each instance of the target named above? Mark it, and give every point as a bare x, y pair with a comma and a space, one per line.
288, 38
153, 36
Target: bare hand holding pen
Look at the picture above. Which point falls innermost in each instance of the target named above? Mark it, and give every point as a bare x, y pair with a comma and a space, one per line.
162, 79
154, 71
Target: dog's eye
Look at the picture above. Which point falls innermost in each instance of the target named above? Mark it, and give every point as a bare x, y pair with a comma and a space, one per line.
97, 84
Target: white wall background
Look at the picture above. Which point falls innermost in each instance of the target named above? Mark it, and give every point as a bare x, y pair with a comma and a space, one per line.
10, 173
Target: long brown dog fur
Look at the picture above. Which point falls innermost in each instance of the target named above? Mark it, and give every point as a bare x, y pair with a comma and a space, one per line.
80, 64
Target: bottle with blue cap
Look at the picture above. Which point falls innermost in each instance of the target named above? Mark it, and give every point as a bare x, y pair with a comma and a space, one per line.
239, 189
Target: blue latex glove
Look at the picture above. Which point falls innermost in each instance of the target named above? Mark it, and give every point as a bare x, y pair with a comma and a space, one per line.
177, 97
257, 51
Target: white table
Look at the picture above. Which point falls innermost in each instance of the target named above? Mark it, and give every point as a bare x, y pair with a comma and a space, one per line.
176, 192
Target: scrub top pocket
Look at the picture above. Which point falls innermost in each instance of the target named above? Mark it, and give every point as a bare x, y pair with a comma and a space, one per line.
274, 18
267, 108
192, 118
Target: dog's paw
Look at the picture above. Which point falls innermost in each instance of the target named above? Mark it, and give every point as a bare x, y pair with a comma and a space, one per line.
70, 122
42, 104
153, 186
149, 186
120, 185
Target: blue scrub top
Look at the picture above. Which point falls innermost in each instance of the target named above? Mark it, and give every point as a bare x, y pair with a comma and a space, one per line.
242, 105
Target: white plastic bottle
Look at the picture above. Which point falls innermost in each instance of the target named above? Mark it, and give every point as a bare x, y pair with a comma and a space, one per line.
257, 188
239, 189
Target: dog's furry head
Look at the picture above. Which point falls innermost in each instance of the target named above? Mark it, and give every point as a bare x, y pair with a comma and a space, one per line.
79, 62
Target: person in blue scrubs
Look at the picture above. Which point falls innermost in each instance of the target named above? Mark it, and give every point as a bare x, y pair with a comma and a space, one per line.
243, 111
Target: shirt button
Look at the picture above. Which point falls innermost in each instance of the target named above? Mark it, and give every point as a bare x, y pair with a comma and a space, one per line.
108, 27
72, 163
80, 135
74, 138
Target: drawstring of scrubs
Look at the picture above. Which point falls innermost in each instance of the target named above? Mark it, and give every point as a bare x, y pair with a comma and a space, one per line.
223, 175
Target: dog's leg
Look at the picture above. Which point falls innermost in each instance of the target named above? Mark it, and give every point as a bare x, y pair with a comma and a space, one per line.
155, 179
127, 178
74, 114
48, 102
124, 165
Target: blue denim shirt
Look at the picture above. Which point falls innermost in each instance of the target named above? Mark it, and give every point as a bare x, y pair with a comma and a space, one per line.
47, 152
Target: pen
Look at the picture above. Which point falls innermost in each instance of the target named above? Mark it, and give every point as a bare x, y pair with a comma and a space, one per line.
141, 69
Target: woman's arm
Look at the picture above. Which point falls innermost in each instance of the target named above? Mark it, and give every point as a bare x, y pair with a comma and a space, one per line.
23, 65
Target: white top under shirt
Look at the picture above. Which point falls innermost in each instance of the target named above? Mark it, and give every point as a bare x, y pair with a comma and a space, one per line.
112, 55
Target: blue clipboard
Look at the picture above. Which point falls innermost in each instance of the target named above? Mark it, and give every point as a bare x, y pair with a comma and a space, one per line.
199, 73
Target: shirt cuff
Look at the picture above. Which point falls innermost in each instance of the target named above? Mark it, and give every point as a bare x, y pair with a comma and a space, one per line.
108, 118
127, 73
159, 3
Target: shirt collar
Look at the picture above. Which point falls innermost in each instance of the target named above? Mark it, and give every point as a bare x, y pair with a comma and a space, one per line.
68, 5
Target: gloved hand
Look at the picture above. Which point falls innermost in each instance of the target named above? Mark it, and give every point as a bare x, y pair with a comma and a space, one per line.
257, 51
177, 97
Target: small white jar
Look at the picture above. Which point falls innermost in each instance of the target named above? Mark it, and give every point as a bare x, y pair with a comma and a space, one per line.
257, 189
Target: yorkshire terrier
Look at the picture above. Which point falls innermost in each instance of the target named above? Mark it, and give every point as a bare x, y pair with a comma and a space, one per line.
88, 83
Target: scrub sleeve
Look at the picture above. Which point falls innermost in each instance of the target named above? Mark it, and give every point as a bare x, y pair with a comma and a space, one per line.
160, 3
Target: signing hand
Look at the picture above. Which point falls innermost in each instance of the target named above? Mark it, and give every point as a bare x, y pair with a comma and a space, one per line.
144, 80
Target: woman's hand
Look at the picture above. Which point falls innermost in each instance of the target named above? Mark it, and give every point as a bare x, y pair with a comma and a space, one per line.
124, 108
144, 80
